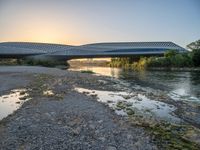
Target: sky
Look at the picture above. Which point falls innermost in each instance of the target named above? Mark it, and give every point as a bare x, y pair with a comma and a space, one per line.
79, 22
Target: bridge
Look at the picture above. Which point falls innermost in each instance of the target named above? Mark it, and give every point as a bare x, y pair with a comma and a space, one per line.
96, 50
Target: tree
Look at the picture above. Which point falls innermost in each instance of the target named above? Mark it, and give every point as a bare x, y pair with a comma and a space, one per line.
196, 57
194, 45
170, 53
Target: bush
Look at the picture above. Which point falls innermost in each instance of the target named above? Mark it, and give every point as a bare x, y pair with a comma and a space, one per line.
170, 53
171, 59
196, 57
195, 47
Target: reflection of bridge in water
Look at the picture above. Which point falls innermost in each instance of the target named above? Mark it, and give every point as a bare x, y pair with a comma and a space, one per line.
96, 50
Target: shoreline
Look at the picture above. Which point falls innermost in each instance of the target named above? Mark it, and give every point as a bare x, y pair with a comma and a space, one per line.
193, 69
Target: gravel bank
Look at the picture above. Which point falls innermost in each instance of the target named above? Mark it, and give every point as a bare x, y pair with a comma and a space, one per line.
65, 119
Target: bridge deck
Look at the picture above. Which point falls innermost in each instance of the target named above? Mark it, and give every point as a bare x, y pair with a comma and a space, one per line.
23, 49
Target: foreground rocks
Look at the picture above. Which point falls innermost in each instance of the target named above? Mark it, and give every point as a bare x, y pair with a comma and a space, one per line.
65, 119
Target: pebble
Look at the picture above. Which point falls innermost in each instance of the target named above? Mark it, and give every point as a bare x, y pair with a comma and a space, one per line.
111, 148
92, 126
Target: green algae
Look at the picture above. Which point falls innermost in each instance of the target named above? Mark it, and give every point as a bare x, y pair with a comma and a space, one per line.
170, 137
130, 111
167, 135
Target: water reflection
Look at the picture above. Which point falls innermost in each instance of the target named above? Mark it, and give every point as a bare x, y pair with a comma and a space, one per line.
12, 101
106, 71
181, 83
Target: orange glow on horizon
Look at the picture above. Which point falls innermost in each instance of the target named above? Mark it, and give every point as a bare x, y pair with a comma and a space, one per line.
43, 31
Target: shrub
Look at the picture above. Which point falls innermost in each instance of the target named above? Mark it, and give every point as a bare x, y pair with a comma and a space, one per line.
196, 57
170, 53
171, 59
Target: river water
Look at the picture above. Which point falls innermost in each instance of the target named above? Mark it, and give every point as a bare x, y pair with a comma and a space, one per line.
180, 83
174, 85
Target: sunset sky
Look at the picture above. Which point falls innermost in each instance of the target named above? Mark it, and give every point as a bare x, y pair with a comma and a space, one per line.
88, 21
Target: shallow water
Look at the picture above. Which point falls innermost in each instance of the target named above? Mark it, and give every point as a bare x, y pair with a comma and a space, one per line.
137, 86
179, 85
12, 101
139, 103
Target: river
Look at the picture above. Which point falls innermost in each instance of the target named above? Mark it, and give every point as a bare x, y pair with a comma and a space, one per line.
183, 84
172, 96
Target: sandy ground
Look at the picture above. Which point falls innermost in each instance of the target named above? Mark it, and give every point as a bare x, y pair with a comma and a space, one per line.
65, 119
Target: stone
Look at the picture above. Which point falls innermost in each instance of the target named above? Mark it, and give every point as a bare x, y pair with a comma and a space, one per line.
111, 148
92, 126
130, 111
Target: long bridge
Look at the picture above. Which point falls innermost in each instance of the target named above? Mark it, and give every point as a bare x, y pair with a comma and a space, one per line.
96, 50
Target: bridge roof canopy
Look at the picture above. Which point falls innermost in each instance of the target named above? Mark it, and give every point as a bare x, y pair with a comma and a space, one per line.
98, 49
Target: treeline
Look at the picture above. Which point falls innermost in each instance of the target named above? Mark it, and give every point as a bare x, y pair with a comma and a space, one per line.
34, 62
170, 59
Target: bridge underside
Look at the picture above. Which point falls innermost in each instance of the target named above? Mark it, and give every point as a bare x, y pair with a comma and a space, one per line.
19, 50
101, 56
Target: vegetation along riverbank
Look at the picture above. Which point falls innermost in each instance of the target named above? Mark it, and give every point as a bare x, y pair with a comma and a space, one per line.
171, 60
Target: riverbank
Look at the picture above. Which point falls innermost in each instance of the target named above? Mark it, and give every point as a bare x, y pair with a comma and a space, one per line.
70, 110
172, 59
64, 118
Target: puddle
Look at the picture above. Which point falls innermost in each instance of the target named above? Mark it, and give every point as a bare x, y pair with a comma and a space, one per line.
12, 101
140, 104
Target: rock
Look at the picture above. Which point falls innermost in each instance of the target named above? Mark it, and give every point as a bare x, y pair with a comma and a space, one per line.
94, 95
128, 104
48, 115
100, 121
97, 131
139, 99
109, 101
59, 122
126, 96
130, 111
121, 105
129, 137
92, 126
23, 98
22, 93
103, 139
76, 131
111, 148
